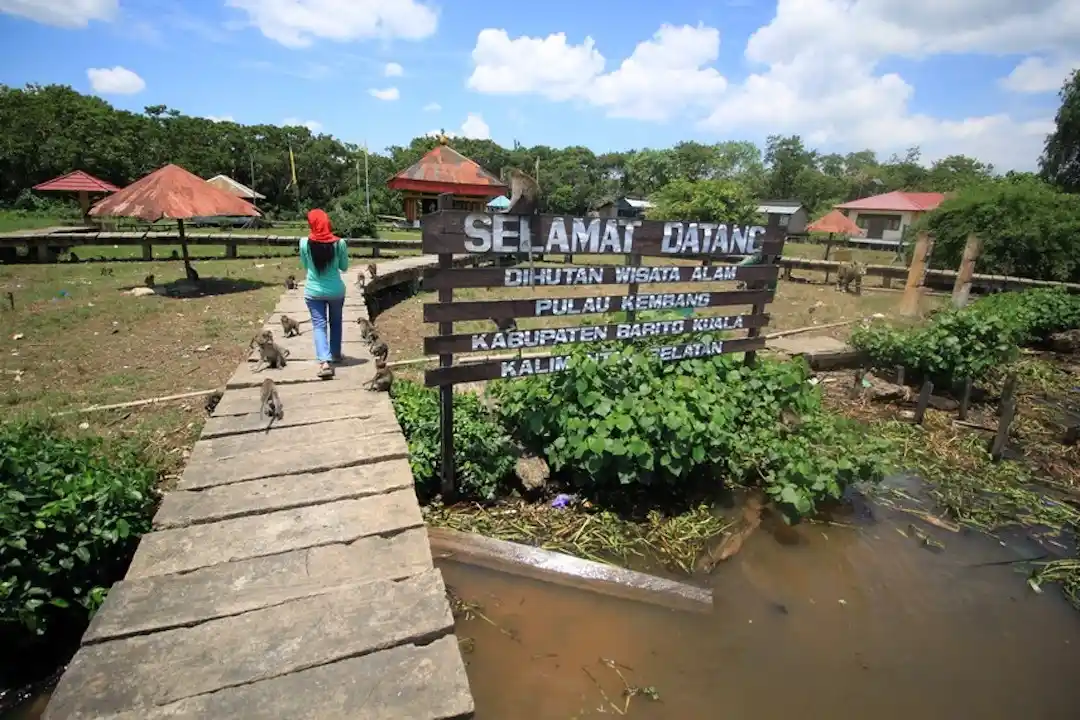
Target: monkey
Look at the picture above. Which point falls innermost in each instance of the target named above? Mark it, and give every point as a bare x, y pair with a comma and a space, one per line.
524, 194
506, 324
261, 337
148, 281
106, 271
289, 326
271, 355
380, 350
212, 400
373, 337
366, 328
290, 283
361, 280
192, 276
11, 300
174, 256
72, 257
383, 379
372, 270
850, 273
272, 407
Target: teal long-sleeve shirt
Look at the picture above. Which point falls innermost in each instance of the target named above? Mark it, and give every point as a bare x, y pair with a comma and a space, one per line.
328, 283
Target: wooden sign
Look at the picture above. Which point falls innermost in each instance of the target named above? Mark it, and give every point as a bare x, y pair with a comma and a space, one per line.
461, 231
451, 232
454, 232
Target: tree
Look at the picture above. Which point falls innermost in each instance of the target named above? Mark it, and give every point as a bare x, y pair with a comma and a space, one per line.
955, 172
1028, 228
786, 158
705, 200
1060, 162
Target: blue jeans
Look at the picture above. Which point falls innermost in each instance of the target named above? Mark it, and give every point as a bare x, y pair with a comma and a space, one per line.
326, 315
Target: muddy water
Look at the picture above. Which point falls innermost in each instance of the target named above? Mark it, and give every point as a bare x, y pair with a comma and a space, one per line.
846, 623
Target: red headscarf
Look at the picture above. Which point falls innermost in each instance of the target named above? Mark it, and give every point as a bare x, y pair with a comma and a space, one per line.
319, 222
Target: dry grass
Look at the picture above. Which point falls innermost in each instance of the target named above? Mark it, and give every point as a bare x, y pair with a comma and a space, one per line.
84, 342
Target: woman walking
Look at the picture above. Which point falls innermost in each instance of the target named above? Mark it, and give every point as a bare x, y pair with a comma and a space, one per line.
324, 257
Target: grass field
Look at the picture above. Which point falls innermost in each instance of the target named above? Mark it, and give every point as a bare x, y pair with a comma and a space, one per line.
82, 341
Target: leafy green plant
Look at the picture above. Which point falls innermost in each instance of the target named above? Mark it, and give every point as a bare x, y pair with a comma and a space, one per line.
350, 218
973, 341
483, 453
632, 421
71, 513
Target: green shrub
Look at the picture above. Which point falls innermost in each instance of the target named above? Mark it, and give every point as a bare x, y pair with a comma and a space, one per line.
954, 345
71, 513
632, 421
1032, 315
350, 218
973, 341
483, 453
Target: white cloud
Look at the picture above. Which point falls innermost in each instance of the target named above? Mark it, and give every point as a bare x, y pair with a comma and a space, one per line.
1036, 75
432, 107
547, 66
393, 70
661, 76
475, 128
297, 23
62, 13
820, 75
313, 125
115, 81
390, 93
222, 118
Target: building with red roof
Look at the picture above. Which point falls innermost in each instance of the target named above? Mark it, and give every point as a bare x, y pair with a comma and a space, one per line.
885, 217
79, 182
445, 170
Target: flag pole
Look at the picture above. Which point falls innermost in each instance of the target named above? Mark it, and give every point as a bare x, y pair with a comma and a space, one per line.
367, 185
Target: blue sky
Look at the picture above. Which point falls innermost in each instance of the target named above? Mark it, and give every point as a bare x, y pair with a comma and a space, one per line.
965, 76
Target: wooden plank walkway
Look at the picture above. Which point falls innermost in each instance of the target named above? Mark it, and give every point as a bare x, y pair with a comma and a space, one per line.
289, 574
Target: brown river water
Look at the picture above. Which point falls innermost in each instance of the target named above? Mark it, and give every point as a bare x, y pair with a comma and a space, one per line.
834, 623
850, 622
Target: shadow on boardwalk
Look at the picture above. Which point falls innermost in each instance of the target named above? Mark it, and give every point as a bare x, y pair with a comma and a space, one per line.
289, 574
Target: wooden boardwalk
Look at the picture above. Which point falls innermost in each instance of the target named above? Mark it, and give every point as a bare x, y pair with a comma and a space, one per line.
289, 575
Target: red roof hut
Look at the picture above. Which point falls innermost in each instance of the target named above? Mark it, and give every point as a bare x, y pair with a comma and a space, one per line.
445, 170
835, 221
79, 182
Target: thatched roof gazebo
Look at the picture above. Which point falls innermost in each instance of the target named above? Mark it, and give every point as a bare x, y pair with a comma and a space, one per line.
240, 190
172, 193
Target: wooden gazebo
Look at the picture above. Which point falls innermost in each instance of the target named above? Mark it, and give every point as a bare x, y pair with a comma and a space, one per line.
445, 170
82, 183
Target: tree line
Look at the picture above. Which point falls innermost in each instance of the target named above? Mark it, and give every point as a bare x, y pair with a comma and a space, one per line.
49, 130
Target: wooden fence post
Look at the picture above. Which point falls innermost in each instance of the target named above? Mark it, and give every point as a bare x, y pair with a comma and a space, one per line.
909, 303
448, 486
774, 224
962, 287
924, 401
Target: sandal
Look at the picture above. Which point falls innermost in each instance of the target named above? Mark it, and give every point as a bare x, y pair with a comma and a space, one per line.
326, 371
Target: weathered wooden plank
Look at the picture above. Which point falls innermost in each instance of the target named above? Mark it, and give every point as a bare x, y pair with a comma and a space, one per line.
181, 508
462, 231
240, 401
207, 471
418, 683
141, 672
524, 367
595, 304
225, 425
522, 277
283, 439
547, 337
352, 373
185, 549
136, 606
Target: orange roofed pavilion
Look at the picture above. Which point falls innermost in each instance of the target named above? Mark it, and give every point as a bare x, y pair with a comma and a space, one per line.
79, 182
445, 170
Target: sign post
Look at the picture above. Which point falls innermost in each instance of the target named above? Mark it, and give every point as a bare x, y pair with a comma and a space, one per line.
682, 288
